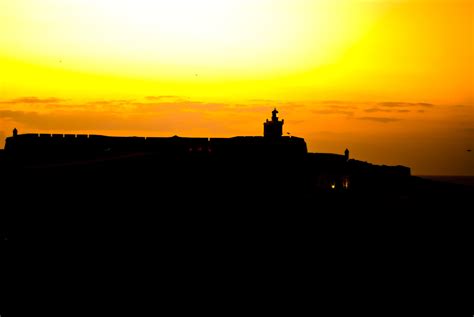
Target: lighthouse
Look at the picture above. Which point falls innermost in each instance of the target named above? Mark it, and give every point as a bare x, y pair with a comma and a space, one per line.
273, 128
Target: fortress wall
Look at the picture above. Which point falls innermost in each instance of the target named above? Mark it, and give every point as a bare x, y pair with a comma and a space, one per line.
82, 145
259, 146
176, 145
47, 142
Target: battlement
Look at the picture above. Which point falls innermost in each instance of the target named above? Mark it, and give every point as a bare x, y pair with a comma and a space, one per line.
70, 146
73, 145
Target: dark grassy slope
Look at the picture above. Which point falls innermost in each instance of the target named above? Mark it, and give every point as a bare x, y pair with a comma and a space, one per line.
130, 226
136, 194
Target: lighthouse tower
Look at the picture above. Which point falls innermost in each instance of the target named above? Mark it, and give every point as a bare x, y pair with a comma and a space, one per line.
273, 128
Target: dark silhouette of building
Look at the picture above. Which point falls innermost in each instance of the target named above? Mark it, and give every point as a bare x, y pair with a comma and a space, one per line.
246, 159
274, 128
70, 146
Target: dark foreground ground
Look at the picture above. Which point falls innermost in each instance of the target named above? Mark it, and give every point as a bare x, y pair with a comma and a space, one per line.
232, 239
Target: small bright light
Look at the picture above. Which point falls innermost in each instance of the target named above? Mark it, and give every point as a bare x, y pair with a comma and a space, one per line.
333, 186
345, 184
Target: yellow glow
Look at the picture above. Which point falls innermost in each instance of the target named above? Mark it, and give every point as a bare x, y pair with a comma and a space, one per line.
179, 39
392, 80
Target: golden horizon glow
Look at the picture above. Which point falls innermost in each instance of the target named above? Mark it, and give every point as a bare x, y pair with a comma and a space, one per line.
177, 39
354, 73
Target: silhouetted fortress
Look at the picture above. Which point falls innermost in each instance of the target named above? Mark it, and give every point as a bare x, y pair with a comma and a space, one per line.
273, 157
72, 146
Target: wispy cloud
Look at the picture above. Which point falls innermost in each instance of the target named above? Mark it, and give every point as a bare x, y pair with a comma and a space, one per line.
338, 104
268, 101
380, 119
391, 104
469, 131
32, 100
164, 97
112, 102
463, 106
332, 111
372, 110
18, 115
370, 107
176, 106
85, 120
344, 107
164, 117
332, 107
165, 113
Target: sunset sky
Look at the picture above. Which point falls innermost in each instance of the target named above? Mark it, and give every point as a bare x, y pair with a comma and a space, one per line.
392, 80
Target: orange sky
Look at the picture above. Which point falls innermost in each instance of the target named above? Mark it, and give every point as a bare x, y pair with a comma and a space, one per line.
392, 80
